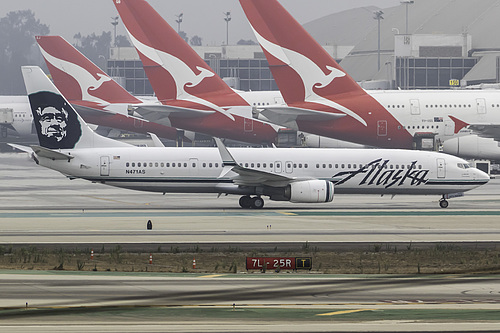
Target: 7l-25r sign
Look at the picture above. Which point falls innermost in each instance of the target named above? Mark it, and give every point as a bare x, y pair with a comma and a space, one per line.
279, 262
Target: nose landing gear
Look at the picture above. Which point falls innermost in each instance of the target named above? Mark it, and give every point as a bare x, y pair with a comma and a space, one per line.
248, 202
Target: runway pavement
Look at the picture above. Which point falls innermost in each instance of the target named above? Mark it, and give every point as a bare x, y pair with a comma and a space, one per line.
235, 301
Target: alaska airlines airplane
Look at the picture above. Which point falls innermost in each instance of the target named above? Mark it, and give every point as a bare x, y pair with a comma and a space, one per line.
310, 175
314, 85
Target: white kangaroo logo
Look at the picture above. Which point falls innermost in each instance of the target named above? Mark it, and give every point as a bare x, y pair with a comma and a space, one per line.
312, 76
86, 81
181, 73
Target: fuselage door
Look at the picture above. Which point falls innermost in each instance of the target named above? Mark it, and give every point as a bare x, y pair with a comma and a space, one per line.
248, 125
449, 128
441, 168
382, 128
414, 107
104, 165
481, 105
277, 167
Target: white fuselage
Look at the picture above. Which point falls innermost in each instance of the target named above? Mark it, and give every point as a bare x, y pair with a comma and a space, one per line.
197, 170
428, 111
22, 118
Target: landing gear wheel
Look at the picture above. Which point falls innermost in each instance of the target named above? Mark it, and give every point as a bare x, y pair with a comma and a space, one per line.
257, 202
245, 201
443, 203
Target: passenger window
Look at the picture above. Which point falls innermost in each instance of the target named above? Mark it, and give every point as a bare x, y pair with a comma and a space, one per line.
139, 164
127, 164
209, 165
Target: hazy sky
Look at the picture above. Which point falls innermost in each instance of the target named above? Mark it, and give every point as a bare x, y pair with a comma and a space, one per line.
204, 18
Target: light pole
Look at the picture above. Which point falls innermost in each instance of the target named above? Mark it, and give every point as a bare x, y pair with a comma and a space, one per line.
407, 3
378, 16
406, 62
115, 23
227, 19
179, 21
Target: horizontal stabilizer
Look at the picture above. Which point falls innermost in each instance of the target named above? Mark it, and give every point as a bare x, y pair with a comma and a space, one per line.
156, 111
49, 153
21, 148
288, 116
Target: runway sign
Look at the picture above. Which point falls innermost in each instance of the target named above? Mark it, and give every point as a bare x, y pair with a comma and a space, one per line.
279, 262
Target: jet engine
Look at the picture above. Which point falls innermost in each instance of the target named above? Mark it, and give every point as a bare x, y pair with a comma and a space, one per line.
310, 191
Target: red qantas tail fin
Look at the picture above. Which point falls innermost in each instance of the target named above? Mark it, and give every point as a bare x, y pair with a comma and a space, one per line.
174, 69
77, 77
303, 70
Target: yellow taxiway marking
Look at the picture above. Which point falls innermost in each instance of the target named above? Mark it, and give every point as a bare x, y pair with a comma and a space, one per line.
343, 312
287, 213
211, 276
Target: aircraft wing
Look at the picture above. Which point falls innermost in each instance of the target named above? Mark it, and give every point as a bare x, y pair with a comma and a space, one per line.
288, 116
485, 130
155, 112
248, 176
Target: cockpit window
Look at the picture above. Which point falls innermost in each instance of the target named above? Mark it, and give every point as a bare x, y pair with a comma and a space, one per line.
464, 165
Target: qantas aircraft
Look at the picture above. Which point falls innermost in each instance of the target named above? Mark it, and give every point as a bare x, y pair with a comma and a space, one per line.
313, 84
193, 96
15, 115
309, 175
99, 99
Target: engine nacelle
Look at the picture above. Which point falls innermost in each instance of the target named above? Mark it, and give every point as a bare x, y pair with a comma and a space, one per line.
472, 146
310, 191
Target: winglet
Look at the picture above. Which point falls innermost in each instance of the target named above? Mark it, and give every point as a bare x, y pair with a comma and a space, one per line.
156, 141
459, 124
228, 160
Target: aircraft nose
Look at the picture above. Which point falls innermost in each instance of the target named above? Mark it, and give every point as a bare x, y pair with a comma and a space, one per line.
481, 176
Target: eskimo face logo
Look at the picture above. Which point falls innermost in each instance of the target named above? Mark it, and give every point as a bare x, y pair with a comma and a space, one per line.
311, 74
56, 123
53, 122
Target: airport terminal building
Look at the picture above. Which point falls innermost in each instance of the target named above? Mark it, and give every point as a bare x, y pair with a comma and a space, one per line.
439, 45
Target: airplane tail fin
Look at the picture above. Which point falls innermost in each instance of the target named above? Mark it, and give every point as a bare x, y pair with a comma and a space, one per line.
300, 66
77, 77
57, 123
174, 69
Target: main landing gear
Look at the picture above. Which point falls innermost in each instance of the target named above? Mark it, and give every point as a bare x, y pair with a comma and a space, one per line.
247, 201
443, 203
